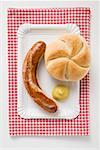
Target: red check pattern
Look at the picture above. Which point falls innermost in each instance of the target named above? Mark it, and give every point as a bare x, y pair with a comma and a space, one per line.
45, 127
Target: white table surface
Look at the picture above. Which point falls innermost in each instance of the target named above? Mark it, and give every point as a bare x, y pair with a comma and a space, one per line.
71, 143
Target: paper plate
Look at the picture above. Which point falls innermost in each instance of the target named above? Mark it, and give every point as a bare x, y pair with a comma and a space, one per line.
28, 34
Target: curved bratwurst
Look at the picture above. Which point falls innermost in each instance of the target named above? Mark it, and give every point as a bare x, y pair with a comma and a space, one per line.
29, 77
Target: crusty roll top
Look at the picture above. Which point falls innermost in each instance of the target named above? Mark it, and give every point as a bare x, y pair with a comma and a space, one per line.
68, 58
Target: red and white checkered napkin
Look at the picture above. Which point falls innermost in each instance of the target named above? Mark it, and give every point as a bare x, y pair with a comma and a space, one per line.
47, 127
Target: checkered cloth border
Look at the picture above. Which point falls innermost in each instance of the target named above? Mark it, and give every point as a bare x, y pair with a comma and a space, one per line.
45, 127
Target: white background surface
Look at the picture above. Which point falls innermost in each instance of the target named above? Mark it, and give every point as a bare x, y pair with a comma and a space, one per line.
70, 143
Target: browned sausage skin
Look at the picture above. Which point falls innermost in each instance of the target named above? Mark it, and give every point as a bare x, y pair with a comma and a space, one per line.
29, 77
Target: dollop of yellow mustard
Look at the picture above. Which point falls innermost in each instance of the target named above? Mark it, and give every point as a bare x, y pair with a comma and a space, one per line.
60, 92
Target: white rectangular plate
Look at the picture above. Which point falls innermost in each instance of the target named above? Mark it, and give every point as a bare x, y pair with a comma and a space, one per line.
28, 34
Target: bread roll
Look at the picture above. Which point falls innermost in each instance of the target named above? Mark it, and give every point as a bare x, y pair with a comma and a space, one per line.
68, 58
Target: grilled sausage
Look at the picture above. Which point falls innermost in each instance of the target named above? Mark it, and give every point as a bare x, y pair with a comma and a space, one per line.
29, 77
